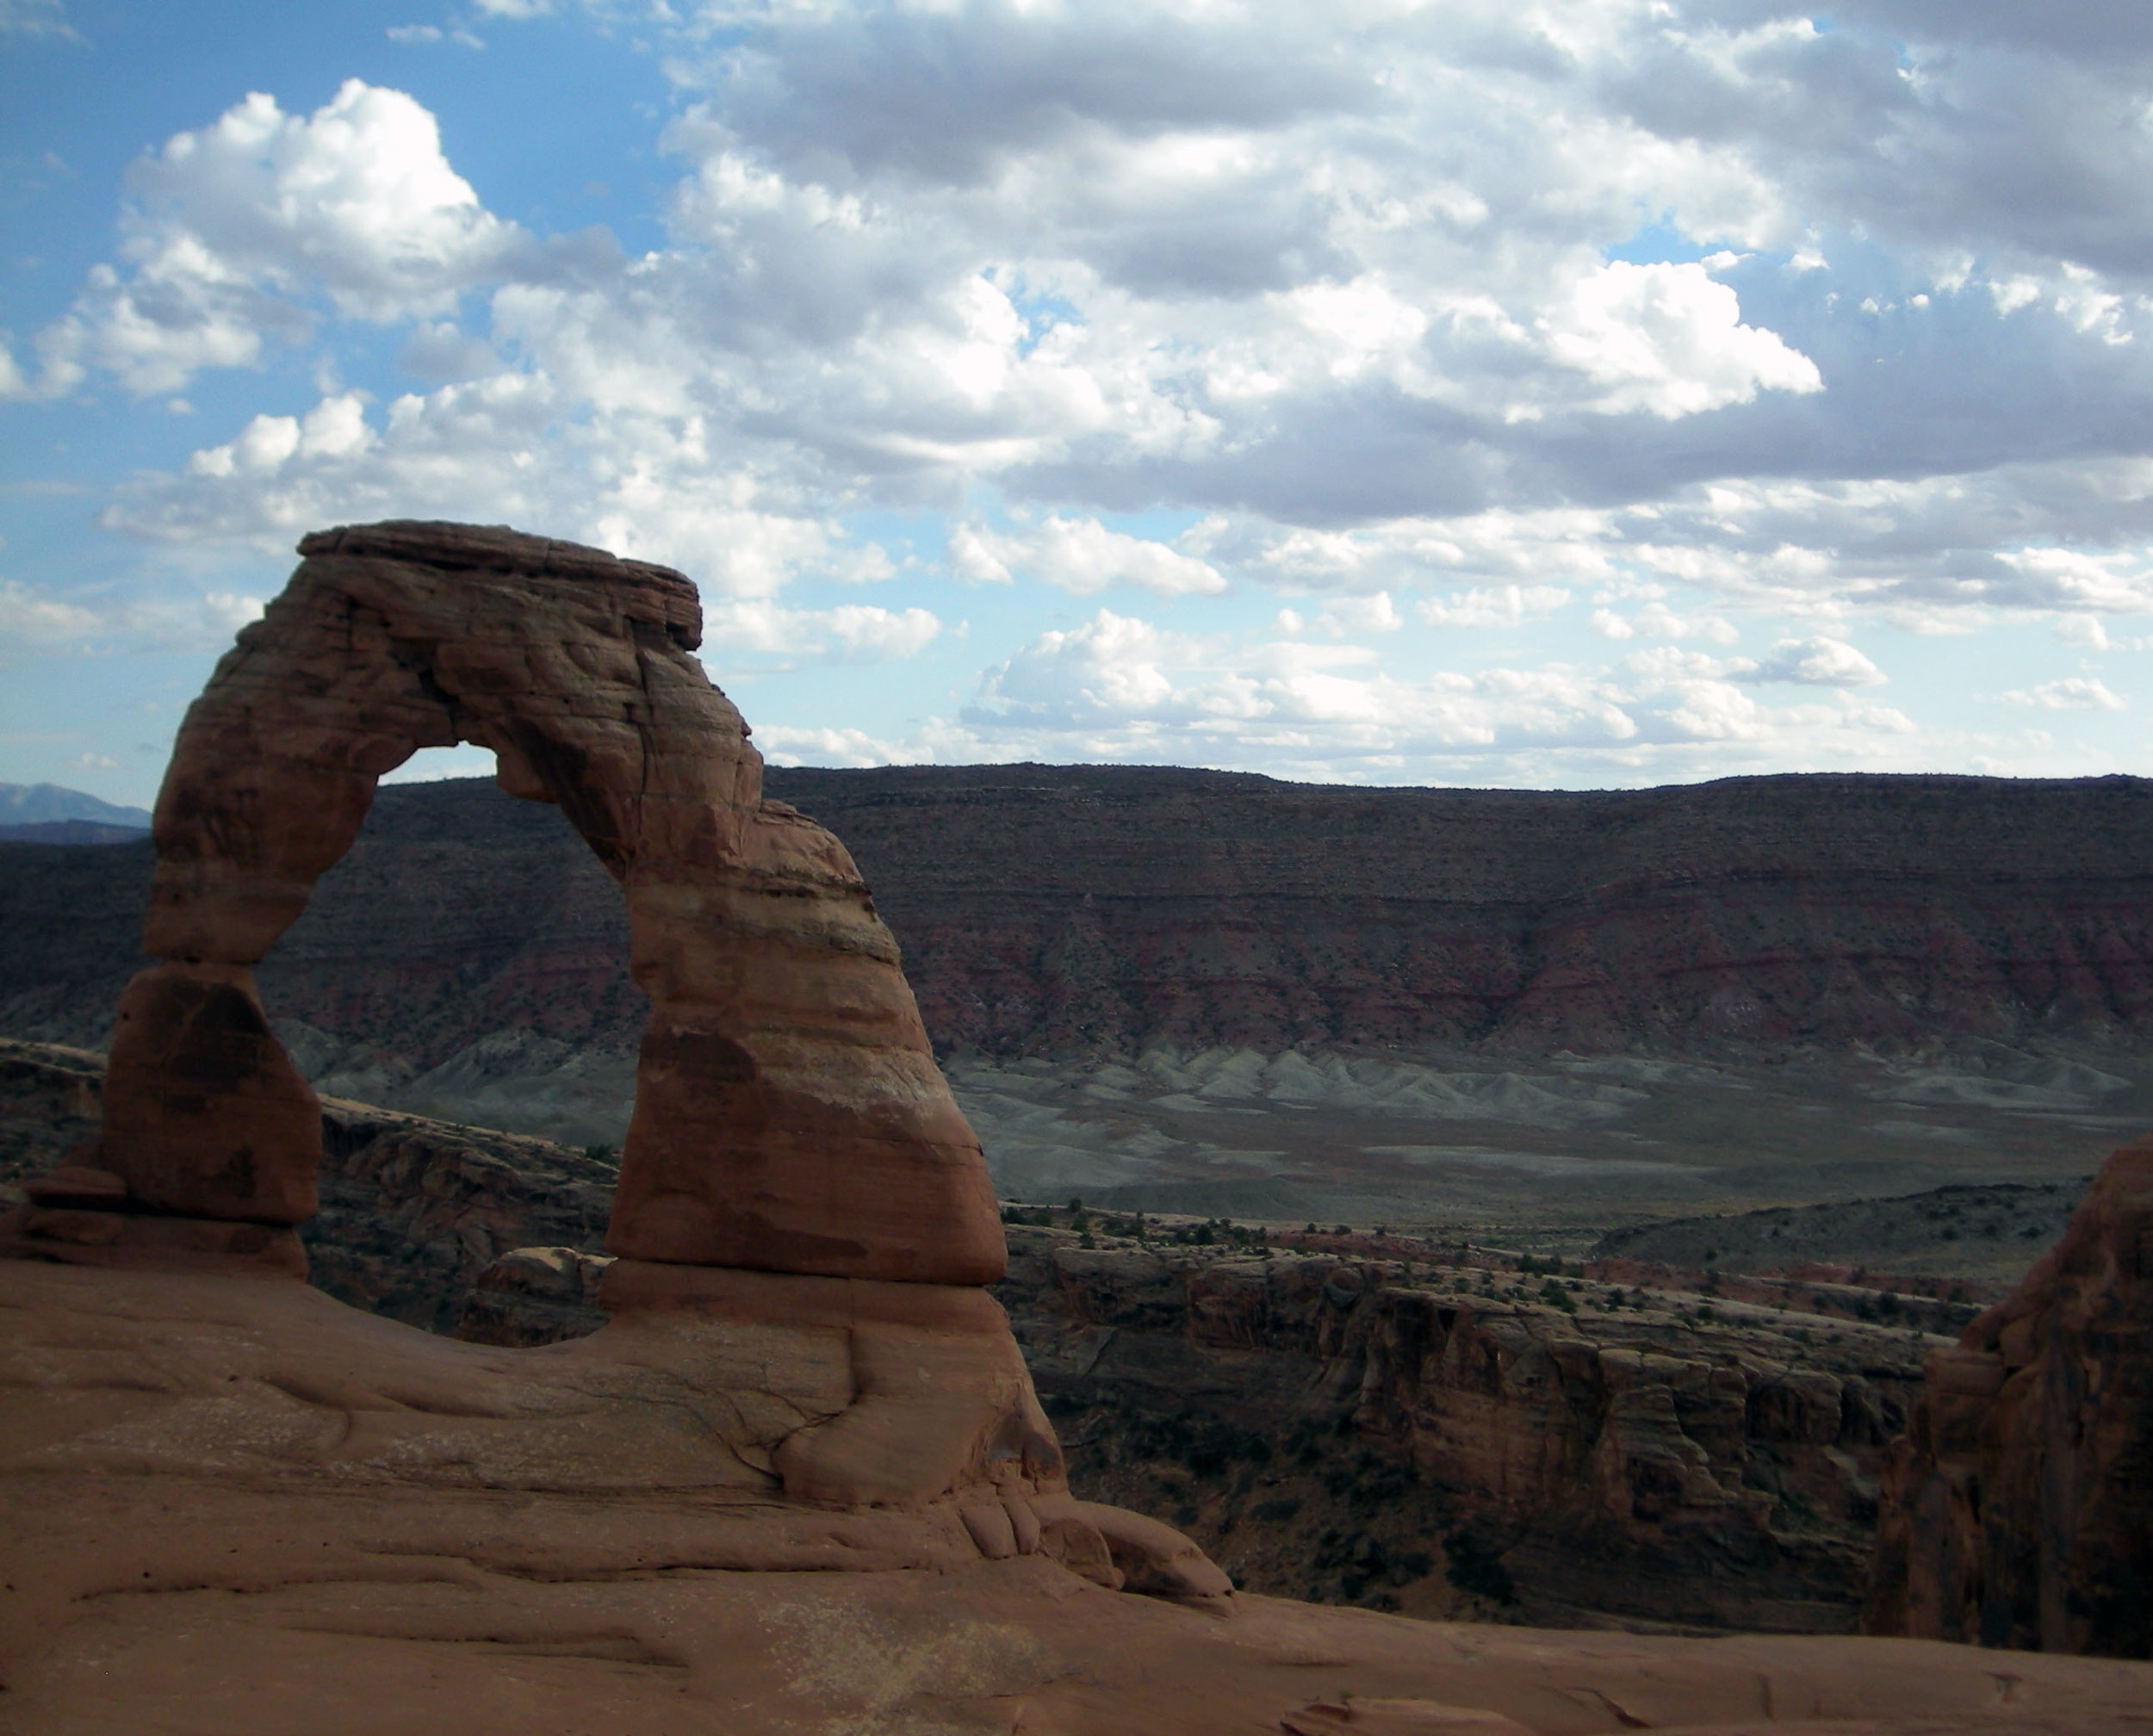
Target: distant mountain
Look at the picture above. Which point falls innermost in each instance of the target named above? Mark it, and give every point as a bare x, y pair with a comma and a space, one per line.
41, 804
71, 832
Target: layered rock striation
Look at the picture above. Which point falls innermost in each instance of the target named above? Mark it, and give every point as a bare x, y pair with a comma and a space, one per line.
2018, 1507
801, 1222
1616, 1459
1073, 910
789, 1114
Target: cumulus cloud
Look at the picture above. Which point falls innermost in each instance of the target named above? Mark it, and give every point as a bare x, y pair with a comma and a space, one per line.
1127, 689
1817, 663
851, 633
31, 617
1739, 326
161, 620
232, 230
1507, 605
1350, 616
1667, 340
1107, 670
1654, 620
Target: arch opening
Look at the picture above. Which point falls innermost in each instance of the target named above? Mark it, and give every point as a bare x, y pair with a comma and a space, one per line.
788, 1114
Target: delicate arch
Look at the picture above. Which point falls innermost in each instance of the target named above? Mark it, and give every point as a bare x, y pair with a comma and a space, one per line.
789, 1115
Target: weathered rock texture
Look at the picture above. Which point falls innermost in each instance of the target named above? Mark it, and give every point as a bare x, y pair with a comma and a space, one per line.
413, 1211
232, 1508
1338, 1426
789, 1116
2018, 1508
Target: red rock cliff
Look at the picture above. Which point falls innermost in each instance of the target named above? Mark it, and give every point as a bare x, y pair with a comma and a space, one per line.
1052, 910
2018, 1508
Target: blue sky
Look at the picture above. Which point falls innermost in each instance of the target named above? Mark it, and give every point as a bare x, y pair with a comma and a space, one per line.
1589, 394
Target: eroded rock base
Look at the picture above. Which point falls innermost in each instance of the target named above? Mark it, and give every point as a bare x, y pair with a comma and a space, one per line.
242, 1507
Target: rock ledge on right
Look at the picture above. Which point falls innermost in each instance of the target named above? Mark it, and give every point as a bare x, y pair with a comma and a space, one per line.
2017, 1510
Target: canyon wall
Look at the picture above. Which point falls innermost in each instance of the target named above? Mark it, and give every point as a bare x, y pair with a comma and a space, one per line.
2018, 1507
1098, 909
1333, 1427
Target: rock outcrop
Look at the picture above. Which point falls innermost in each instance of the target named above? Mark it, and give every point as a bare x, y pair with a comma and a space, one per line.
2018, 1508
802, 1221
413, 1211
235, 1507
1327, 1421
789, 1114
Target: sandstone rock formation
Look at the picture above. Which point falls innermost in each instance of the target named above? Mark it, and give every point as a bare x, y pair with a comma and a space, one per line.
413, 1211
802, 1223
237, 1508
2018, 1508
1329, 1423
789, 1114
531, 1296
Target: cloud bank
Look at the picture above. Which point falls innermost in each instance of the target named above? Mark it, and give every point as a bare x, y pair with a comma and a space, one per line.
1494, 374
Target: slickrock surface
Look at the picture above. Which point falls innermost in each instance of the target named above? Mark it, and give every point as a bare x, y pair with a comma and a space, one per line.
1334, 1426
2018, 1507
233, 1507
789, 1115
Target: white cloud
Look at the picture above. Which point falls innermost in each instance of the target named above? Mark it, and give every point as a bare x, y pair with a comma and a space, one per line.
1656, 621
158, 618
1079, 555
32, 618
1122, 688
1340, 284
1106, 670
1817, 663
1668, 340
1349, 617
2071, 694
36, 18
1506, 605
232, 229
851, 633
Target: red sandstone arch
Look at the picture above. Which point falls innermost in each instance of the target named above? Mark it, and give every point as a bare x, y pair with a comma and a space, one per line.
789, 1115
